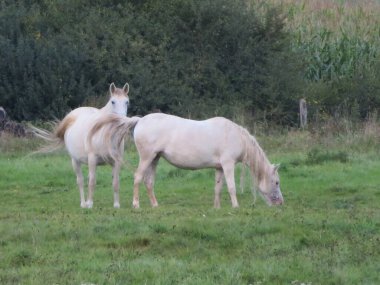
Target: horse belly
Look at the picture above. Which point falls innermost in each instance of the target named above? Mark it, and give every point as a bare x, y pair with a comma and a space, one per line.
74, 142
191, 159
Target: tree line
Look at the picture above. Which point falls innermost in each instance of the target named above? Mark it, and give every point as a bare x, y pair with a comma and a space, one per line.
190, 58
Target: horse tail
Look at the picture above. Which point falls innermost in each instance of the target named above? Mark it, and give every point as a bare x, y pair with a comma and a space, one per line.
61, 127
113, 130
54, 139
53, 143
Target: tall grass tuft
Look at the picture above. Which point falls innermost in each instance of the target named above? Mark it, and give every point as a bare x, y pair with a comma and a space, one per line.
10, 144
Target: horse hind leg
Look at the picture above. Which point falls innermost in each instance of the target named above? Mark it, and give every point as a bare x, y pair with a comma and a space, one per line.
78, 171
219, 179
229, 173
144, 164
150, 174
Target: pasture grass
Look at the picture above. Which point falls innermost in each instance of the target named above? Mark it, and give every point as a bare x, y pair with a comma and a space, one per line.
326, 233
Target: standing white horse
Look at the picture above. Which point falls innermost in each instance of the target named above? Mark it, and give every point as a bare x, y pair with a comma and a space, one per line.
215, 143
73, 131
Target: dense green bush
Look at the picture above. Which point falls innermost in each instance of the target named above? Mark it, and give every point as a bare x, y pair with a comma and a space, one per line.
191, 58
42, 75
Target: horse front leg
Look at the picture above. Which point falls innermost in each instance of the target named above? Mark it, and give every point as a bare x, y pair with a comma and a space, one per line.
78, 171
91, 180
116, 185
219, 179
229, 173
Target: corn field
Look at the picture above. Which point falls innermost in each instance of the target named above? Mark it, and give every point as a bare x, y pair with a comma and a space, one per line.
339, 38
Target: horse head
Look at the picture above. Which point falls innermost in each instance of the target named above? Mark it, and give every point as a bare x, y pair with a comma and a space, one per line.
119, 100
270, 186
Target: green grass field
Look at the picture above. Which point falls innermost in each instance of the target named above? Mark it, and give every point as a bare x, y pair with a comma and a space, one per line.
328, 231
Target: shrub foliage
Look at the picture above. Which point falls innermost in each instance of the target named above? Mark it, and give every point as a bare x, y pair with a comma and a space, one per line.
191, 58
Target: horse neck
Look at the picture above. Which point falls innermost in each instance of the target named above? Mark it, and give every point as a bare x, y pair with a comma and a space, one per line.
107, 109
255, 158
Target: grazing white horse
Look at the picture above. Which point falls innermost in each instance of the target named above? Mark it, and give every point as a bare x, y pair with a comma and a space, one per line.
214, 143
73, 131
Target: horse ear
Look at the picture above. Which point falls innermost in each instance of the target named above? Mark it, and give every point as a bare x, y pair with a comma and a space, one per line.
276, 167
112, 88
126, 88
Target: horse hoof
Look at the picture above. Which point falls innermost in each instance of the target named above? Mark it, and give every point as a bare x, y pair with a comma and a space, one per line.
83, 205
116, 205
136, 205
90, 204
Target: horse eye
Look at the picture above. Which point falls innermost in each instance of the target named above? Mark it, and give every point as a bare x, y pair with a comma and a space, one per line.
126, 103
277, 182
113, 102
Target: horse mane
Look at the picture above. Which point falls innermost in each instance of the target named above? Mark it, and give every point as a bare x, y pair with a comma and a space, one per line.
254, 156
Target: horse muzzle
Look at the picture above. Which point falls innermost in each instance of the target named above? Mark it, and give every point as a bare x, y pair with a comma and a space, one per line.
276, 199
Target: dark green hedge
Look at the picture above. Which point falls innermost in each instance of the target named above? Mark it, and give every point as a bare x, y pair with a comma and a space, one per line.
187, 57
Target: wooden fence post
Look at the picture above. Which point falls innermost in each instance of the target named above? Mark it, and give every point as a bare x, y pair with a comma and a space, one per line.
303, 114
